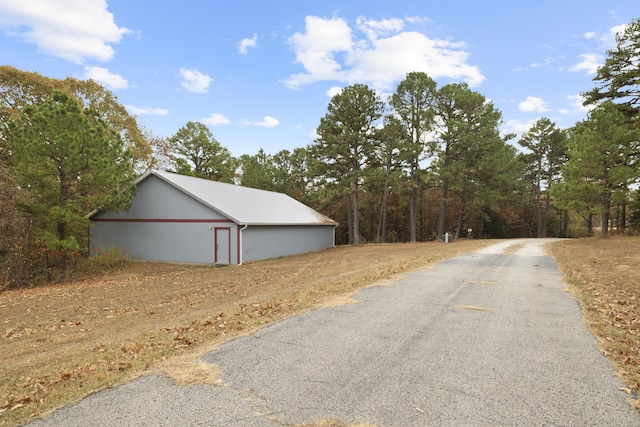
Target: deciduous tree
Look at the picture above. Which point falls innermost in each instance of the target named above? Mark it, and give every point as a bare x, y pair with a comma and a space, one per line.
19, 89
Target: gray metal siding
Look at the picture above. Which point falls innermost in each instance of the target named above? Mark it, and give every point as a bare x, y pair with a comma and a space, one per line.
163, 224
162, 241
166, 223
155, 198
263, 242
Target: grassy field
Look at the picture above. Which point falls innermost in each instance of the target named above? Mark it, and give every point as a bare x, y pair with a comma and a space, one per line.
61, 343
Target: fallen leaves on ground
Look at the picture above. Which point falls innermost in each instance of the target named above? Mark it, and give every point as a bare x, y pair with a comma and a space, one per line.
604, 276
62, 342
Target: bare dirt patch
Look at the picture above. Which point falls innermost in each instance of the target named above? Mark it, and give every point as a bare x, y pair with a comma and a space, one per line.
604, 275
61, 343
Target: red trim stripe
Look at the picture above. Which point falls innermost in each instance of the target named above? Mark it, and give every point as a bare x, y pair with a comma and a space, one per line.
209, 221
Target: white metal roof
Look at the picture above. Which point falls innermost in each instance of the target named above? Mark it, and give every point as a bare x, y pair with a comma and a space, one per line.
244, 205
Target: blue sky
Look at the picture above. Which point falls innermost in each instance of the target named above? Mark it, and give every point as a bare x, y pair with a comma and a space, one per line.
260, 74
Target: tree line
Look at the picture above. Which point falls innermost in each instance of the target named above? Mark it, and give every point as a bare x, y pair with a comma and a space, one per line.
426, 162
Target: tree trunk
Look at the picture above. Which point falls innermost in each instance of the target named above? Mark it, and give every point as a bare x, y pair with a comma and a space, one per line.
606, 208
539, 202
547, 210
413, 207
463, 204
356, 215
382, 223
349, 221
443, 207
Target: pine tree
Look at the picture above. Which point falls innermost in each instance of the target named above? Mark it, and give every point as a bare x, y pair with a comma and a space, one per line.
346, 142
71, 162
413, 107
198, 153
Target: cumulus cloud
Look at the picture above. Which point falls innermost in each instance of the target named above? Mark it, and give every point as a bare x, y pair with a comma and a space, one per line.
374, 29
194, 80
245, 44
576, 101
75, 30
146, 111
268, 122
333, 91
589, 63
102, 75
517, 126
216, 119
533, 104
330, 50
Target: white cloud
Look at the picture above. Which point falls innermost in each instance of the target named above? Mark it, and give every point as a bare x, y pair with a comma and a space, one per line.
268, 122
102, 75
74, 30
146, 111
333, 91
533, 104
245, 44
374, 29
589, 63
547, 61
517, 126
216, 119
195, 81
418, 20
329, 51
575, 102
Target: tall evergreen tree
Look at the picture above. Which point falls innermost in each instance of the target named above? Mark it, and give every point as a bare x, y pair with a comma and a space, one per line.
71, 162
413, 105
387, 162
198, 153
618, 80
604, 156
465, 123
547, 153
22, 88
258, 171
346, 142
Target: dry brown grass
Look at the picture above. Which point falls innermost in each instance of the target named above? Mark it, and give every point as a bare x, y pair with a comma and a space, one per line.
604, 275
61, 343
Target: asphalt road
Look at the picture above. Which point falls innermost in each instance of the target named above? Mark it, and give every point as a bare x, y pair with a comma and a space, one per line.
485, 339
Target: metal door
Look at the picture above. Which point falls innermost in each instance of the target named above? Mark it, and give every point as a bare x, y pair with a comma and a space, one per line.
222, 248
